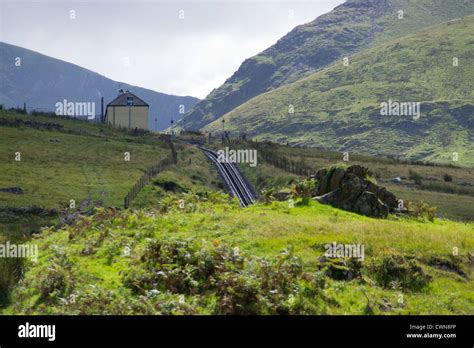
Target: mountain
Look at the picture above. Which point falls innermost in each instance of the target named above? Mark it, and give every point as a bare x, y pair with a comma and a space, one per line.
340, 108
350, 27
42, 81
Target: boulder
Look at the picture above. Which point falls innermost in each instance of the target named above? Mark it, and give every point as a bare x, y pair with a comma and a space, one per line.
352, 189
322, 177
336, 178
368, 204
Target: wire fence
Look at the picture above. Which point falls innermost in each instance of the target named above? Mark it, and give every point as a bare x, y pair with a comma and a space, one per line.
282, 162
146, 179
268, 155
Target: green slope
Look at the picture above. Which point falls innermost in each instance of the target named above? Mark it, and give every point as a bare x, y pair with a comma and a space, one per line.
209, 250
63, 159
350, 27
339, 108
144, 262
78, 161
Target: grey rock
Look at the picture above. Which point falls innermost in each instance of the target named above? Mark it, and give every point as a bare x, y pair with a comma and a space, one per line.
351, 190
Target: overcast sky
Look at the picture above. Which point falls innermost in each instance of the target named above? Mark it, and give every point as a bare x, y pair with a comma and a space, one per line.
146, 43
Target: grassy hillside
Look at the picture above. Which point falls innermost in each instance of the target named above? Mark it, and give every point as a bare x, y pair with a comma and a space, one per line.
349, 28
207, 258
184, 248
62, 160
339, 108
193, 174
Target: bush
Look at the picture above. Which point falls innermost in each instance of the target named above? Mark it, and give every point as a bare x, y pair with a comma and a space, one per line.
56, 280
304, 190
341, 269
450, 263
169, 184
421, 210
393, 271
412, 175
447, 178
267, 196
43, 113
237, 283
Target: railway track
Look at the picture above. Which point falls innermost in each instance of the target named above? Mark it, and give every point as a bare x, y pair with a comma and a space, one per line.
236, 183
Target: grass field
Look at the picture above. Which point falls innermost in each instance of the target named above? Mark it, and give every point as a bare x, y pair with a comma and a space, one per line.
96, 269
71, 161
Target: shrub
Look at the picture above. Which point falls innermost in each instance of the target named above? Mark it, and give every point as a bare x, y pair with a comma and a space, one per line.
412, 175
304, 190
56, 280
169, 184
421, 210
400, 271
239, 284
341, 269
447, 178
267, 196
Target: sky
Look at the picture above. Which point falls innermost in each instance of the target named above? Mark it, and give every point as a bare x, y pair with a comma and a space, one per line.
170, 46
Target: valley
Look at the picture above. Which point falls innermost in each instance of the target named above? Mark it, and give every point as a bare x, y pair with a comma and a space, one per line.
330, 174
185, 207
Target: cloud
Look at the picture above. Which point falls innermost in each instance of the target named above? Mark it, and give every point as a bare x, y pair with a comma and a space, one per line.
146, 43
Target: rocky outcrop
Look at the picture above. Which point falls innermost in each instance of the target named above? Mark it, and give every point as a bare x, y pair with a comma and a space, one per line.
352, 189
